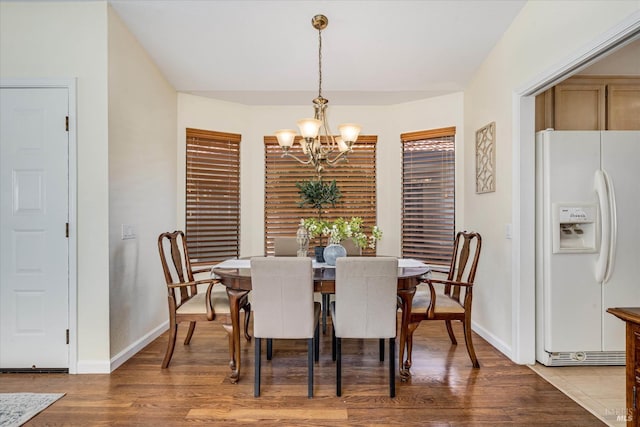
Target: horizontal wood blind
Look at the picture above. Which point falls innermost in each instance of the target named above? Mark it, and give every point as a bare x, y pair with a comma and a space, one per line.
212, 195
356, 178
428, 195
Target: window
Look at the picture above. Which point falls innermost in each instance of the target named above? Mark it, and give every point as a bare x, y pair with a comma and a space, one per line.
212, 195
356, 178
428, 195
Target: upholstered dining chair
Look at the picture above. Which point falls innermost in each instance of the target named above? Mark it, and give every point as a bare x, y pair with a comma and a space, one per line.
365, 306
285, 246
186, 303
283, 308
453, 297
351, 247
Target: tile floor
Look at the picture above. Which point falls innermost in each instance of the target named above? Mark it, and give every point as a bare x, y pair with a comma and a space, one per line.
599, 389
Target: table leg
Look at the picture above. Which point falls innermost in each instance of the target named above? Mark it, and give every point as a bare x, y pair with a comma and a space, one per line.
235, 296
406, 299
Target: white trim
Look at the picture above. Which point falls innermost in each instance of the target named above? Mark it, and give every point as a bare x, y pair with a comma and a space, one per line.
500, 345
134, 348
70, 84
93, 367
523, 198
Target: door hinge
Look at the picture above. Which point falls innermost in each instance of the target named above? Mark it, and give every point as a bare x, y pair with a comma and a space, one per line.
67, 334
66, 123
66, 230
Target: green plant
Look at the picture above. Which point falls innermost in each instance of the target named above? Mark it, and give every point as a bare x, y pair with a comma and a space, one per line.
318, 194
342, 229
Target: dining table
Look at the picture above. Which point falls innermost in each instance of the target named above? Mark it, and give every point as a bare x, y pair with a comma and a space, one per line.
235, 275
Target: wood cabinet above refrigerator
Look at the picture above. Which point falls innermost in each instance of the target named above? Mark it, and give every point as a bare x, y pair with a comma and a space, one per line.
590, 103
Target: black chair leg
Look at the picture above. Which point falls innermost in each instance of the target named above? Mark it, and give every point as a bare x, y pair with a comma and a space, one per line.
392, 367
316, 344
339, 367
325, 309
310, 352
382, 349
269, 348
256, 385
333, 343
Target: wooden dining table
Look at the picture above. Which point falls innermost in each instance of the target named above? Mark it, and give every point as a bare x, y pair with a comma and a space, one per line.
238, 283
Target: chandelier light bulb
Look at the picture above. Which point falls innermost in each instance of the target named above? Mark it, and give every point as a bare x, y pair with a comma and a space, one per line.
349, 132
342, 146
286, 137
309, 127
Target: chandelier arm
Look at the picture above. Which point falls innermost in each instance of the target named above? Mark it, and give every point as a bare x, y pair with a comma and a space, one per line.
337, 158
304, 162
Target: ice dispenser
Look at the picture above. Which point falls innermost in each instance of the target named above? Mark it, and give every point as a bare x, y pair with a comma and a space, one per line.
574, 227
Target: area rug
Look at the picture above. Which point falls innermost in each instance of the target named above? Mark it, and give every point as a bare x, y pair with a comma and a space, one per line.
18, 408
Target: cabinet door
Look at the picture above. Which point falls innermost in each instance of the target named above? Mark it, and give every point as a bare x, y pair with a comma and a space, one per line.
580, 107
623, 107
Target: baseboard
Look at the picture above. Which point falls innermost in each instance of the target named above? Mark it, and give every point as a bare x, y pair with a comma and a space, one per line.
93, 367
134, 348
500, 345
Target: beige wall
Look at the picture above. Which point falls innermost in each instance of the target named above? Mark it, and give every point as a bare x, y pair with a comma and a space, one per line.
256, 122
542, 36
142, 189
53, 40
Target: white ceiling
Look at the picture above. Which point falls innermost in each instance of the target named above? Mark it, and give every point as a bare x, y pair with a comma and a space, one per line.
265, 52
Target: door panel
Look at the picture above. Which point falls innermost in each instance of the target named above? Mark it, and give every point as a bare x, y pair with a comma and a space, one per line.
620, 154
34, 278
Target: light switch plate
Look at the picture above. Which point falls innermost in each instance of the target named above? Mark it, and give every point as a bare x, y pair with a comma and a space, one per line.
128, 232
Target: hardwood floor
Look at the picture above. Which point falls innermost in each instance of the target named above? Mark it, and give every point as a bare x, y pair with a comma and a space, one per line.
444, 389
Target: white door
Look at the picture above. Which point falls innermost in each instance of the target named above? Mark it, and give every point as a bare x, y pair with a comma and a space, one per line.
620, 154
572, 296
34, 276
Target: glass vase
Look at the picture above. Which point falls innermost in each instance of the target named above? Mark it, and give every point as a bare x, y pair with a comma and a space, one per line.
333, 252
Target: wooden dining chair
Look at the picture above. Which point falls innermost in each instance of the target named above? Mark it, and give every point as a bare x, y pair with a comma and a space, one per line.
186, 303
365, 306
283, 308
453, 298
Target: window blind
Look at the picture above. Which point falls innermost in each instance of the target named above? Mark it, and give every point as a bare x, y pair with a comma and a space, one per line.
355, 177
428, 195
212, 195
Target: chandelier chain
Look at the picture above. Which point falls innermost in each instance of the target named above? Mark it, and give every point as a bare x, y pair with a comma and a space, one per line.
319, 63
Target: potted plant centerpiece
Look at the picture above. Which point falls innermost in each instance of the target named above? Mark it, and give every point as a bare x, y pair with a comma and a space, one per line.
342, 229
317, 194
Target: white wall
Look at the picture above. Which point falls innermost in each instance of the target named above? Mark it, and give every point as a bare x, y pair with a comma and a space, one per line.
53, 40
253, 123
142, 190
544, 34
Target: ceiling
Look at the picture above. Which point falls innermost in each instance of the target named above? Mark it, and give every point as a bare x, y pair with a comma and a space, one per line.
265, 52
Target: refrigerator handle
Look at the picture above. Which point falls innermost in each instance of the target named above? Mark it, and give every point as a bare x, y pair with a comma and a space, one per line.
613, 225
600, 187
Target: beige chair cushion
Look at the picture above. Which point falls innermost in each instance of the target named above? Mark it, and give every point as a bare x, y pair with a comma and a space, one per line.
444, 304
197, 305
282, 300
366, 297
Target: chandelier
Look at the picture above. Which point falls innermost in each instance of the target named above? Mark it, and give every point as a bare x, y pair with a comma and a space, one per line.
318, 143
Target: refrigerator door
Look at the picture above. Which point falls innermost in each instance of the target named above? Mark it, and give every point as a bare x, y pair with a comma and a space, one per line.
620, 154
572, 298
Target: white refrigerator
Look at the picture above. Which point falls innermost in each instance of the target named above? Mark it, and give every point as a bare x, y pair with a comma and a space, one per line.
587, 244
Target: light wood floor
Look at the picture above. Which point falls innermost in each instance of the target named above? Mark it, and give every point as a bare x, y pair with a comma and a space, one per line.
444, 389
